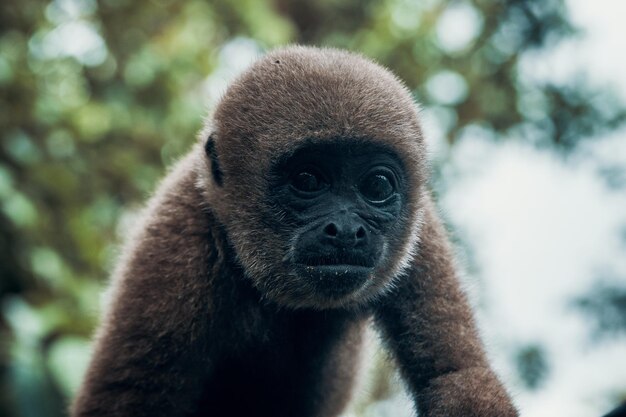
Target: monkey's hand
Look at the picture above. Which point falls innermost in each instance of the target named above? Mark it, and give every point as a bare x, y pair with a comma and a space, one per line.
471, 392
430, 328
149, 352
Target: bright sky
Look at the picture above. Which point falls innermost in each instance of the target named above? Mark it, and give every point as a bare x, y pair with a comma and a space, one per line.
600, 52
544, 228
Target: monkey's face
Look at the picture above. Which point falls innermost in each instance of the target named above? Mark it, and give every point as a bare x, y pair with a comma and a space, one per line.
333, 225
341, 204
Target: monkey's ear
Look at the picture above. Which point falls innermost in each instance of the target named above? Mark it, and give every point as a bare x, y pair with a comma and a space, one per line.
211, 153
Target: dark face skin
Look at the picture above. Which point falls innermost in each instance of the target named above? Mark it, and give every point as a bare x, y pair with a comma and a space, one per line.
341, 201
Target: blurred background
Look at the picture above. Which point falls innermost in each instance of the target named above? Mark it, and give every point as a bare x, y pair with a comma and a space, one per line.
523, 107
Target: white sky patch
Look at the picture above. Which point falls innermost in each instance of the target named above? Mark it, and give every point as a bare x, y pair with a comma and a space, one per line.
606, 153
599, 52
447, 87
541, 228
583, 382
458, 27
78, 39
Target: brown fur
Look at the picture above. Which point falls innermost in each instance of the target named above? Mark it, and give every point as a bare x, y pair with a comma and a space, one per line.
205, 321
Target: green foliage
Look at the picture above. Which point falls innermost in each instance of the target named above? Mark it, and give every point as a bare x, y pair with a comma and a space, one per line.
532, 365
606, 303
98, 97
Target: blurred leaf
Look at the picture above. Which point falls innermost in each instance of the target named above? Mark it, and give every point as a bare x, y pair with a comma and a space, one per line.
68, 360
606, 305
532, 365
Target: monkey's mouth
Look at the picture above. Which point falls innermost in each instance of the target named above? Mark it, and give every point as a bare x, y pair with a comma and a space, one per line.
336, 275
339, 260
335, 281
337, 270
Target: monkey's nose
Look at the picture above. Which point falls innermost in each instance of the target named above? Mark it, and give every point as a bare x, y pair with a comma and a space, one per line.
344, 232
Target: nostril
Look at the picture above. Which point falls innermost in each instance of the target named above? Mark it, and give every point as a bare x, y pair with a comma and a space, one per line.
331, 229
360, 234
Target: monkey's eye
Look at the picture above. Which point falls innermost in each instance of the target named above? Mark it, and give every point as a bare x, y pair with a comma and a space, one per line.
308, 181
377, 186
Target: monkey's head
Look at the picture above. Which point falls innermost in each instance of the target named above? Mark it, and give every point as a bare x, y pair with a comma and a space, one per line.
315, 167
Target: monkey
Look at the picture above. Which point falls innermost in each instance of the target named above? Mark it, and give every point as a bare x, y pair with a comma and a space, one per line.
301, 216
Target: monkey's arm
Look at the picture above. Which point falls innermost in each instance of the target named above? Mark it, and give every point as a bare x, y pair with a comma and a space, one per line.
430, 328
147, 359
